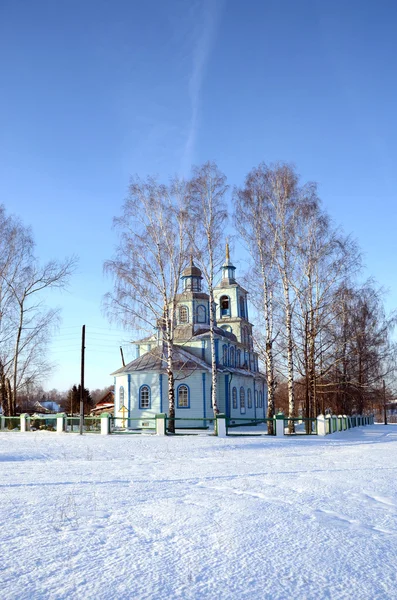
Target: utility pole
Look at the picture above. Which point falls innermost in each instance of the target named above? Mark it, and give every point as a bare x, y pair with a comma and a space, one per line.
384, 402
122, 356
82, 381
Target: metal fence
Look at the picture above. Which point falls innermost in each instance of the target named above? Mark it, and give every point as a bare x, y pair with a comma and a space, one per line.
11, 423
42, 423
300, 426
132, 425
246, 426
190, 425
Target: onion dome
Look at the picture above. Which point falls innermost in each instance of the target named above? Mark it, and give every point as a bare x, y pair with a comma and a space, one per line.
191, 277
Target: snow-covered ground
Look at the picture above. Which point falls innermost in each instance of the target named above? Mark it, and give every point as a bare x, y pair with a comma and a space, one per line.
198, 517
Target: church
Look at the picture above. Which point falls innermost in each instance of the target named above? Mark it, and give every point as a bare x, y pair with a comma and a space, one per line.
141, 386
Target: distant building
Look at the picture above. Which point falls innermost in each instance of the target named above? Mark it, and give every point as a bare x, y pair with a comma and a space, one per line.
51, 406
141, 386
105, 404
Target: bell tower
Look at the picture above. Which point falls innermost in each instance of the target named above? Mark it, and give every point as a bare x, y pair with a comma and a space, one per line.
232, 307
192, 309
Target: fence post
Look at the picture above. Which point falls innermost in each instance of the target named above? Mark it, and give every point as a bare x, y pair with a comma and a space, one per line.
328, 424
331, 424
220, 425
279, 418
105, 424
61, 422
2, 423
321, 425
24, 422
161, 420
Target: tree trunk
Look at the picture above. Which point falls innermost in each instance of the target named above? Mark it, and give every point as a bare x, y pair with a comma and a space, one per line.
307, 409
214, 368
269, 354
11, 405
16, 356
290, 359
171, 390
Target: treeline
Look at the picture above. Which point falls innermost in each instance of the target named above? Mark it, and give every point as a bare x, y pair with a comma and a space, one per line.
32, 399
25, 322
323, 337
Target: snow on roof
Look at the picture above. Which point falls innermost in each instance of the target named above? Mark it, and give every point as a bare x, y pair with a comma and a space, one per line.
155, 360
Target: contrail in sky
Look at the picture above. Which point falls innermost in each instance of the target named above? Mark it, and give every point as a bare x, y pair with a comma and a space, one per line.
201, 53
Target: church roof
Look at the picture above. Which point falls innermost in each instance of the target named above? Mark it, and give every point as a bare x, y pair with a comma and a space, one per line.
204, 331
155, 360
191, 270
183, 360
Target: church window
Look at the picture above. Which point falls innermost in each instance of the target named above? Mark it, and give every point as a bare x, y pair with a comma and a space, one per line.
260, 400
121, 397
224, 350
249, 399
144, 397
256, 398
238, 357
192, 284
201, 314
242, 307
183, 397
232, 357
234, 397
225, 306
242, 400
183, 314
245, 336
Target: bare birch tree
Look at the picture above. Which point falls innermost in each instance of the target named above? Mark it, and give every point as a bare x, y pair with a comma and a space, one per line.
281, 202
148, 264
25, 323
252, 223
325, 258
207, 208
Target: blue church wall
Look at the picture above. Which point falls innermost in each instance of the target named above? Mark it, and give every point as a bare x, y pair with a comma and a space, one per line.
198, 387
135, 383
245, 390
196, 392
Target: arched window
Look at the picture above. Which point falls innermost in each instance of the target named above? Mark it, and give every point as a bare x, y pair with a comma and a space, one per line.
245, 336
183, 314
121, 397
242, 400
225, 306
249, 399
242, 307
232, 356
201, 314
224, 350
256, 398
238, 357
234, 397
260, 400
183, 397
144, 396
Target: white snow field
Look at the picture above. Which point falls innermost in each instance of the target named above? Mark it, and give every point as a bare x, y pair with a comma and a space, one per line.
197, 517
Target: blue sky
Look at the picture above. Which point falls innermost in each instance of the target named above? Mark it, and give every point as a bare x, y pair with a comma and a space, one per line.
95, 91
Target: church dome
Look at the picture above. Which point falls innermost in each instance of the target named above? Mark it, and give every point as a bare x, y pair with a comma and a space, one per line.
191, 271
